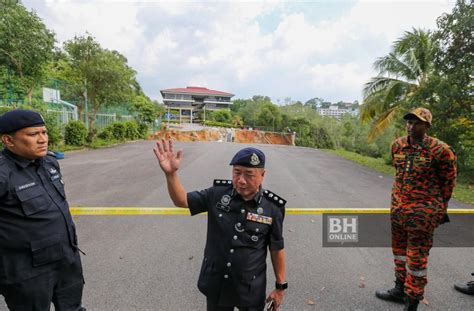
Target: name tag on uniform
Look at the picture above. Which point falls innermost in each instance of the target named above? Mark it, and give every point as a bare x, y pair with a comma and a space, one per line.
26, 186
399, 156
259, 218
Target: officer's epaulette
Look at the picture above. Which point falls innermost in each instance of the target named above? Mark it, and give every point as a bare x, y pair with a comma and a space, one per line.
222, 182
51, 154
274, 198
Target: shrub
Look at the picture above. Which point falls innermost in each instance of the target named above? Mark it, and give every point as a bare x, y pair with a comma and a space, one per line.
116, 130
143, 130
75, 133
218, 124
131, 130
54, 129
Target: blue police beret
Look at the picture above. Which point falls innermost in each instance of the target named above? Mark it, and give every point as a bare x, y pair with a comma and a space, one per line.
17, 119
249, 157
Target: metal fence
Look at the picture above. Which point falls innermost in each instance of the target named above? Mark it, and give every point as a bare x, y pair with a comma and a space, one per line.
102, 119
65, 115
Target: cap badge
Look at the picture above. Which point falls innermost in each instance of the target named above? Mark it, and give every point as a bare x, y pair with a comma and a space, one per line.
254, 160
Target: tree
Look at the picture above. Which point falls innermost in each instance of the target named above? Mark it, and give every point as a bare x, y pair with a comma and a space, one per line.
314, 102
145, 110
26, 45
269, 116
401, 83
66, 79
453, 81
11, 87
223, 116
106, 76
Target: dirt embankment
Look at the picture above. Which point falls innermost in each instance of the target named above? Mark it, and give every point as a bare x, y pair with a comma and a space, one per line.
228, 135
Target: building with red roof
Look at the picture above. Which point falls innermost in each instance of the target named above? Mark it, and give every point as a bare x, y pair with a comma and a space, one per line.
193, 101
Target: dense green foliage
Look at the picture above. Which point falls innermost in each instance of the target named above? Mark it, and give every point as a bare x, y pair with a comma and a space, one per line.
26, 46
218, 124
81, 70
75, 133
431, 70
55, 135
104, 75
129, 130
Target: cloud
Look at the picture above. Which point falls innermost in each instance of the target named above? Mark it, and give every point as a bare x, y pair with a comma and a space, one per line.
246, 48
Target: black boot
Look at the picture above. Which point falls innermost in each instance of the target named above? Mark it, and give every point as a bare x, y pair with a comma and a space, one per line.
396, 294
411, 304
467, 289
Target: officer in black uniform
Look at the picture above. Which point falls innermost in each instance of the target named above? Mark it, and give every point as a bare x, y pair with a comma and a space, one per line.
243, 220
39, 259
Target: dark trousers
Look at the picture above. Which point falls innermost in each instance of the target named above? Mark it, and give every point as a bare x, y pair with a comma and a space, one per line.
62, 286
214, 307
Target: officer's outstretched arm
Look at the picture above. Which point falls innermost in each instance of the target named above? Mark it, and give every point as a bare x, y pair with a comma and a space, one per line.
169, 163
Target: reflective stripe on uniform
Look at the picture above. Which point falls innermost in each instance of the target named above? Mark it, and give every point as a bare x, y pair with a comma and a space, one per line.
401, 258
418, 273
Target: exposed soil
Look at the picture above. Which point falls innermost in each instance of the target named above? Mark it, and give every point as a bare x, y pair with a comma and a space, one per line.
229, 135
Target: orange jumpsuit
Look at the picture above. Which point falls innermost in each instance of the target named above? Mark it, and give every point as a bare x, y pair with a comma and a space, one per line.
424, 181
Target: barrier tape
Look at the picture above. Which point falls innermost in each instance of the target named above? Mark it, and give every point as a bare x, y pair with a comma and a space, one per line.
132, 211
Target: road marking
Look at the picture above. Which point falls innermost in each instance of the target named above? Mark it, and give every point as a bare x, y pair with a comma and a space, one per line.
124, 211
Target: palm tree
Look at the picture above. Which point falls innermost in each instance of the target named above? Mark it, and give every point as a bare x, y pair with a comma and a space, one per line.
400, 84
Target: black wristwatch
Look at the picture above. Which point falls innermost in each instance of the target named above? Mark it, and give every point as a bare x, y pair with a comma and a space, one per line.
281, 286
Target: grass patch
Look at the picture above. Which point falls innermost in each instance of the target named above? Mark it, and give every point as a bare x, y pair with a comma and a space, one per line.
463, 191
96, 144
102, 143
65, 148
377, 164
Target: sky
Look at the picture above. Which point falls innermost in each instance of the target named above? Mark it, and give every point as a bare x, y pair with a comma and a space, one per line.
281, 49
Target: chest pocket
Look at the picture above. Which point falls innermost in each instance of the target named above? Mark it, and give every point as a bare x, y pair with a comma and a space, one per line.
399, 161
256, 234
59, 185
422, 162
33, 200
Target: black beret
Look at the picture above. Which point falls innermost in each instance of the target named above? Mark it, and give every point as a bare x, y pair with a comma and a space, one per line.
18, 119
249, 157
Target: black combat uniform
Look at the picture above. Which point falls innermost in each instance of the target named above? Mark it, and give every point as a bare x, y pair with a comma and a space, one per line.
39, 259
233, 271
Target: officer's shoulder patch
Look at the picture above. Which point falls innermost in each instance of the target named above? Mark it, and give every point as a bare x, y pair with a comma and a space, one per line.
222, 182
278, 201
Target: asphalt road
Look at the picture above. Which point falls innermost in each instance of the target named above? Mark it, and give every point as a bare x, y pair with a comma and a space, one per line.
152, 262
129, 175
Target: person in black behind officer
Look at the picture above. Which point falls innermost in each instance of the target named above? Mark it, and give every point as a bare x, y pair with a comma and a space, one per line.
243, 220
39, 259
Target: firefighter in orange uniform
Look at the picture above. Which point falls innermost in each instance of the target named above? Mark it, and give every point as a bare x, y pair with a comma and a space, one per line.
424, 181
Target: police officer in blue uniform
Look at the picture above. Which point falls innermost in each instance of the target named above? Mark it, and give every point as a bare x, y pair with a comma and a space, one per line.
243, 221
39, 259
